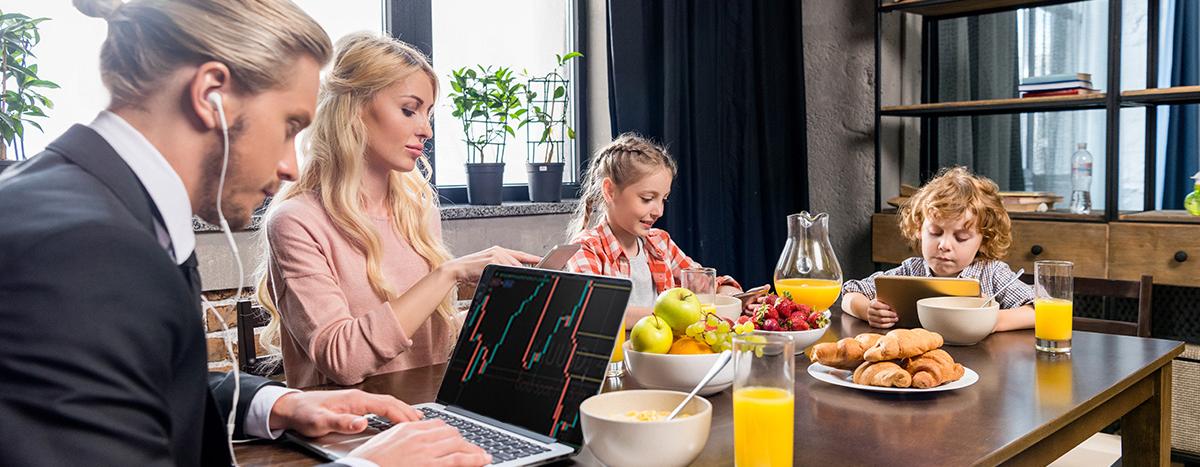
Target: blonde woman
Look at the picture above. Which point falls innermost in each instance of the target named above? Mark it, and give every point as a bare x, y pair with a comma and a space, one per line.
357, 278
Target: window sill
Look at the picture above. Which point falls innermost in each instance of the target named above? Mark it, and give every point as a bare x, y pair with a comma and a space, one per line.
508, 209
449, 212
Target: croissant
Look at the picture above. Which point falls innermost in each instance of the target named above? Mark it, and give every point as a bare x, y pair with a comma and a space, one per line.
933, 369
903, 343
885, 374
847, 353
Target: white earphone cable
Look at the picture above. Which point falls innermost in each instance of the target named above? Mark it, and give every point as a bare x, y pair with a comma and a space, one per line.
215, 98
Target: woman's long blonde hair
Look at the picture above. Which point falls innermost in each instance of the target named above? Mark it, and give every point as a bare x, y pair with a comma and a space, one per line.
336, 144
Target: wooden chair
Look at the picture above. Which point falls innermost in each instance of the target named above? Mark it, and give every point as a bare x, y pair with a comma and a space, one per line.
249, 318
1110, 289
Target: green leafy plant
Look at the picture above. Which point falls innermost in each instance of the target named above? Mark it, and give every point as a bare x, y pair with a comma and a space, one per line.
488, 102
20, 100
549, 112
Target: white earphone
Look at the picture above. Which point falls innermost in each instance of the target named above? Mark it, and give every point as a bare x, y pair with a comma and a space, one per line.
214, 97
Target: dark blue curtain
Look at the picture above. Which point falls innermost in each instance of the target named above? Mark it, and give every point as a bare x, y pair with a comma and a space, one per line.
1182, 144
721, 84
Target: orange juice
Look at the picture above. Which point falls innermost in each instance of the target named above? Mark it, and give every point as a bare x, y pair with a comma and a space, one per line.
618, 353
816, 293
762, 426
1052, 319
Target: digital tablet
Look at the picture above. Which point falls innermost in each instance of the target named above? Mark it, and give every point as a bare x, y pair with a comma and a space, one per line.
902, 293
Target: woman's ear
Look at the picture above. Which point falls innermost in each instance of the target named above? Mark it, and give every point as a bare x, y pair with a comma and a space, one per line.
609, 190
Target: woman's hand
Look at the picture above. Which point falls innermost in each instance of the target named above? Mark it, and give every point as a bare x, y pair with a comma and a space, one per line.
469, 268
881, 315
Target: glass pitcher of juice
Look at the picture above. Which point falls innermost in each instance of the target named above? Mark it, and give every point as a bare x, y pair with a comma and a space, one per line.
808, 270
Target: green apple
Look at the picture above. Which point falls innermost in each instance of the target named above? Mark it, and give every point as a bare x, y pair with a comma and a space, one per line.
679, 307
651, 335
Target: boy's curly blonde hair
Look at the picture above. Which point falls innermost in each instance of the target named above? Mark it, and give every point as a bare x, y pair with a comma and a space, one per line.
953, 192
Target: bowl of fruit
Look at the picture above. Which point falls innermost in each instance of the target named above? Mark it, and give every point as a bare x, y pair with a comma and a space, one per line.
674, 347
780, 315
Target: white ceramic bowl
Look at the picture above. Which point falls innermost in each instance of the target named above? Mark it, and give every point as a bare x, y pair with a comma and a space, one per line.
959, 320
728, 307
800, 339
619, 443
676, 372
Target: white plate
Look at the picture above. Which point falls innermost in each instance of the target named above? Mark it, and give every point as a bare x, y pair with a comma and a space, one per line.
845, 378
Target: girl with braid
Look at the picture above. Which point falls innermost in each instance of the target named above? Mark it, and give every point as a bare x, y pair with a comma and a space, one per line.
623, 194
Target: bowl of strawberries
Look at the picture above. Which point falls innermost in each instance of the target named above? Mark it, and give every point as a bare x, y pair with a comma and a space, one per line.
781, 315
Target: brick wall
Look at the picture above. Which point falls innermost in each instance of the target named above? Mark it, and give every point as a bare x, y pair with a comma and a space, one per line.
225, 304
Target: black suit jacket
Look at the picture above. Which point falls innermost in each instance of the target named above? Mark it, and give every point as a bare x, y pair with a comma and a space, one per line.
103, 357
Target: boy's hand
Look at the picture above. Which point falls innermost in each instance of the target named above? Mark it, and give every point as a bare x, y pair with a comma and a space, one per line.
881, 315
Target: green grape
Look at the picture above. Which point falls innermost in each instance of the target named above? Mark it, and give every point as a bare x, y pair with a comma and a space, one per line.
723, 327
710, 338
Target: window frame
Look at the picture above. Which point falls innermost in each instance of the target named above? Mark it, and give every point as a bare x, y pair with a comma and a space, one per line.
412, 21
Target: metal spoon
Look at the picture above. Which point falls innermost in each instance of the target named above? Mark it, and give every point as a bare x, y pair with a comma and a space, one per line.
722, 360
992, 299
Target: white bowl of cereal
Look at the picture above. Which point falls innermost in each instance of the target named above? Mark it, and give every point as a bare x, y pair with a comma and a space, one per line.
629, 428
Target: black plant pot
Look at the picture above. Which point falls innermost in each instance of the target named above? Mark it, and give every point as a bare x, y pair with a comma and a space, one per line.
545, 181
485, 184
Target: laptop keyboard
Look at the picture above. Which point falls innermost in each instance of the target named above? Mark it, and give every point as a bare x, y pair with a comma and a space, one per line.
501, 446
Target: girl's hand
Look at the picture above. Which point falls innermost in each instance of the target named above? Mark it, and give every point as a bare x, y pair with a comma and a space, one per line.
750, 305
469, 268
881, 315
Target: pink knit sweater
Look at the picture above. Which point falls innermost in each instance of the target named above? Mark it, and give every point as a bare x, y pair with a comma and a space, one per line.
335, 329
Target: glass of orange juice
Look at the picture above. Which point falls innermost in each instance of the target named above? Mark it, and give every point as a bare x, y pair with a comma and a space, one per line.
616, 363
1052, 304
763, 400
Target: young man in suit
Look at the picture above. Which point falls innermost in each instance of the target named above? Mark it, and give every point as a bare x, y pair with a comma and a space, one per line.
102, 352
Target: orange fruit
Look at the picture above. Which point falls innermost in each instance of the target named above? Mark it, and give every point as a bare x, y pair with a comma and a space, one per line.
689, 346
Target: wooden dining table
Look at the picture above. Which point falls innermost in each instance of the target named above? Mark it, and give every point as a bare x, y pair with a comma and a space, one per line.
1027, 408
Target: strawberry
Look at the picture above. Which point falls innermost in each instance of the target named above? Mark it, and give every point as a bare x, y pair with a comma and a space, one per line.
797, 323
772, 313
770, 324
742, 319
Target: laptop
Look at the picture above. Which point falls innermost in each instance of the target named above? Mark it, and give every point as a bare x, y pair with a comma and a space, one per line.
534, 344
902, 293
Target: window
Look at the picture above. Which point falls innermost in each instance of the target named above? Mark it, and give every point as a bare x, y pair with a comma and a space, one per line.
521, 35
69, 55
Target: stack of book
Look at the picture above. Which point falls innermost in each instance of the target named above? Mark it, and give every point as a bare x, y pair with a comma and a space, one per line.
1014, 201
1067, 84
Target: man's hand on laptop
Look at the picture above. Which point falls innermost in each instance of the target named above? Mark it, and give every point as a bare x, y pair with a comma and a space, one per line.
423, 443
318, 413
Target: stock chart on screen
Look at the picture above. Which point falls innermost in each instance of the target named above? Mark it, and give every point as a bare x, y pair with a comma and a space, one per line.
534, 345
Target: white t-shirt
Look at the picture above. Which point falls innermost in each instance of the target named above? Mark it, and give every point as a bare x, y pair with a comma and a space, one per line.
643, 285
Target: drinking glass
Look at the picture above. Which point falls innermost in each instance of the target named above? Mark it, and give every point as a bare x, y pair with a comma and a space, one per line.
1053, 294
763, 400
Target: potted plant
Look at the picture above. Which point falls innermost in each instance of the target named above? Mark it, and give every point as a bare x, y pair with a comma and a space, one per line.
486, 101
546, 99
20, 100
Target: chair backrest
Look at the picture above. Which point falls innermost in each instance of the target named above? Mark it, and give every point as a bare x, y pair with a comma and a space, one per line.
1140, 290
249, 318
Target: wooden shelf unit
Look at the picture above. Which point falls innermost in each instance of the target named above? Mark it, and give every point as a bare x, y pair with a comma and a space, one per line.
997, 106
950, 8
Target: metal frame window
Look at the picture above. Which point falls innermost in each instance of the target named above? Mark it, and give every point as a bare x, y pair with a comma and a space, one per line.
412, 22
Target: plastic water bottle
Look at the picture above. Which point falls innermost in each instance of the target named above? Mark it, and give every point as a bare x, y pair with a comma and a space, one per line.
1081, 180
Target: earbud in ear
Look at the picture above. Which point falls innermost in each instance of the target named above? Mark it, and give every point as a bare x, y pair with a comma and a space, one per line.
215, 98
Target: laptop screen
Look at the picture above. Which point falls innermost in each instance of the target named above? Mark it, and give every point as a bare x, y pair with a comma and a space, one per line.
534, 344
